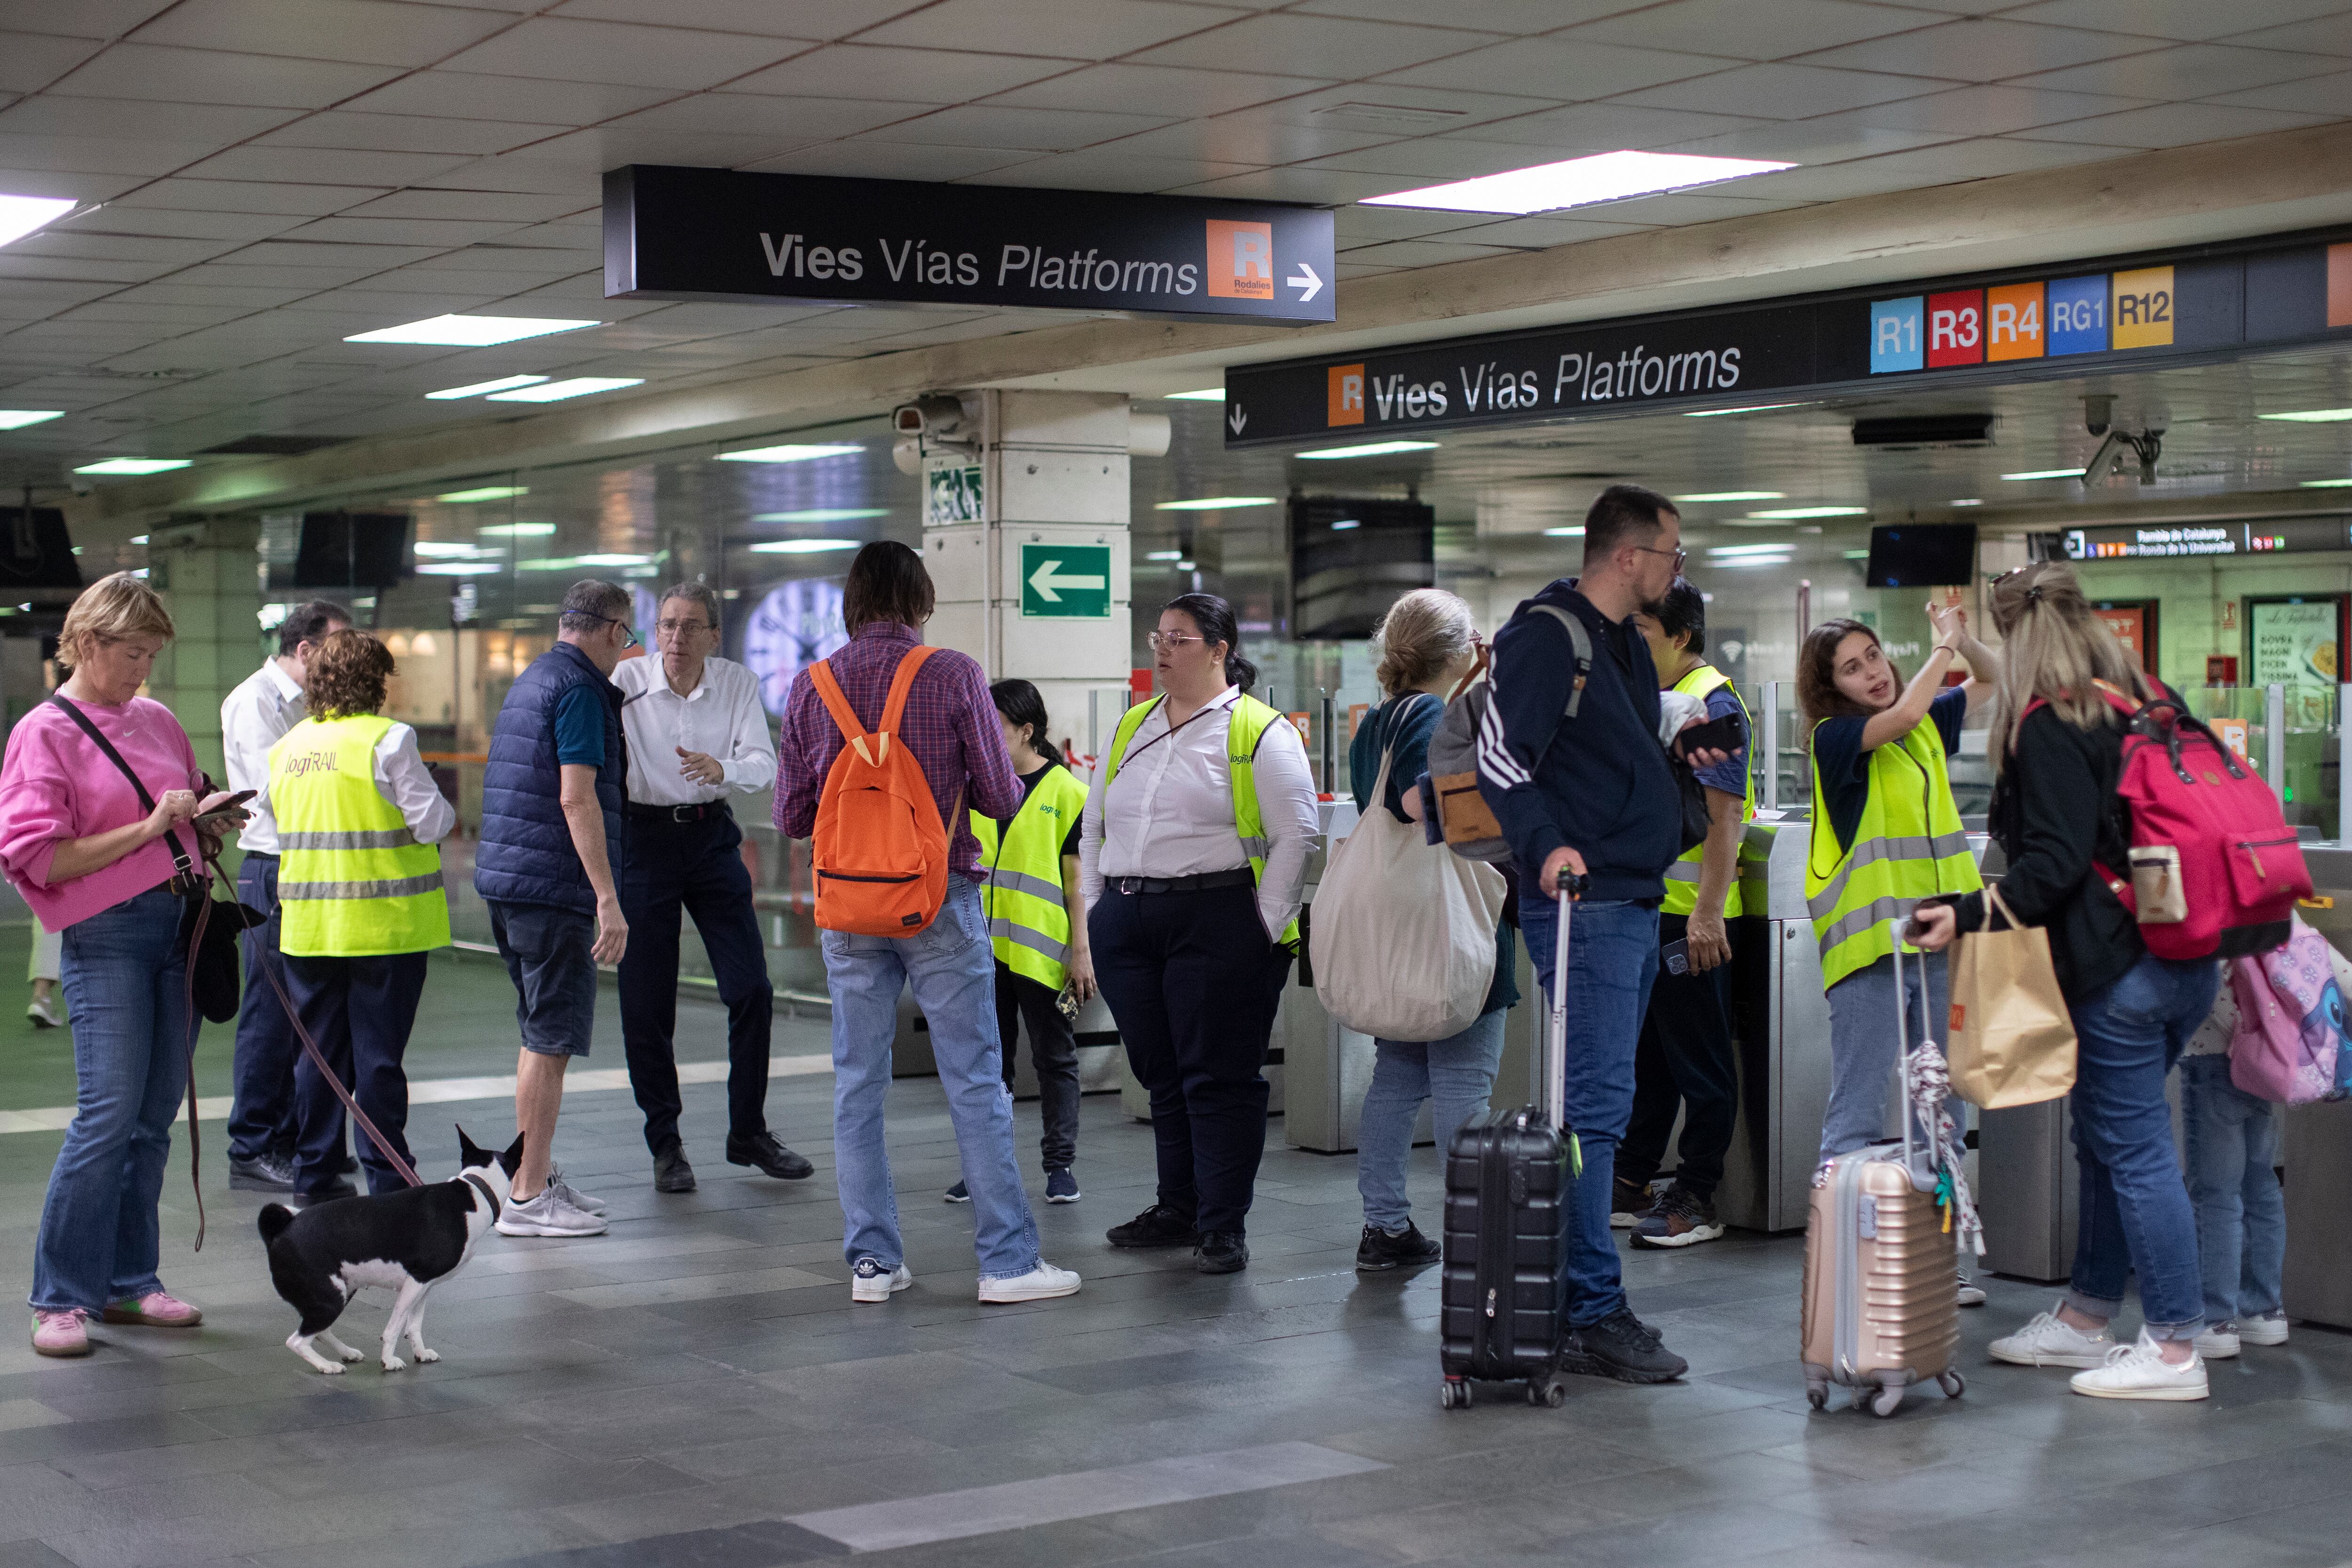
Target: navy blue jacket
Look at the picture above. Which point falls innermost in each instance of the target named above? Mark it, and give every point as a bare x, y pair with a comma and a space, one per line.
1599, 782
526, 855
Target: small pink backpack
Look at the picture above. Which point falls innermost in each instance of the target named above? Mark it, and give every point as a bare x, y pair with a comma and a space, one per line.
2290, 1021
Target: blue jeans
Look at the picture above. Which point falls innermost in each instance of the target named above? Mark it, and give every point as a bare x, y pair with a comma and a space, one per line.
953, 972
1457, 1074
1864, 1038
2135, 1215
125, 978
261, 1119
1613, 958
2230, 1143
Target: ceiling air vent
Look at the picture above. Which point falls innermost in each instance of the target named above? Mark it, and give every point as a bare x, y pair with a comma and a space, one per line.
1920, 431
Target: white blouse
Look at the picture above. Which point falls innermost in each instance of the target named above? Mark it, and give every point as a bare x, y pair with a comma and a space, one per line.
1169, 812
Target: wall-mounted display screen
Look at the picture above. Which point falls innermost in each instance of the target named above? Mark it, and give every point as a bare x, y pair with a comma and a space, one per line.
1350, 559
1922, 556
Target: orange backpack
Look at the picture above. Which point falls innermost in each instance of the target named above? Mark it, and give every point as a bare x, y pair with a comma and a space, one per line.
880, 850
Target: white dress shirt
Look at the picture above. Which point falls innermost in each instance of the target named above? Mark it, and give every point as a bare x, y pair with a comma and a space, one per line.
721, 718
1169, 812
264, 705
401, 777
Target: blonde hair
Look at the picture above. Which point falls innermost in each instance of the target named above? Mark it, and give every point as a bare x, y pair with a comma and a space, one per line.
1423, 632
2053, 649
110, 610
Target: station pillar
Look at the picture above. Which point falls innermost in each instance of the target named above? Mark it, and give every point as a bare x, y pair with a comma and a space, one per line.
209, 576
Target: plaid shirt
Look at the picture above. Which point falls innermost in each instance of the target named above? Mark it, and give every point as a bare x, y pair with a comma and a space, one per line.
949, 724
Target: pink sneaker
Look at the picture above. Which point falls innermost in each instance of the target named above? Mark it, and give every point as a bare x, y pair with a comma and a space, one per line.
60, 1333
156, 1310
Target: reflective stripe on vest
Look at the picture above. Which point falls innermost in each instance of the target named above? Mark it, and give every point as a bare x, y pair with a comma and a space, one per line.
1682, 877
354, 880
1909, 844
1028, 923
1245, 730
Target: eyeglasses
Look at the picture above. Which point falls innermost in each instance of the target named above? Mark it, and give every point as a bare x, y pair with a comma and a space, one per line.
628, 632
1164, 642
1680, 556
679, 628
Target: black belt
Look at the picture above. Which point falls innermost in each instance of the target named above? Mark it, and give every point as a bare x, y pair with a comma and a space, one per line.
260, 855
678, 812
1242, 877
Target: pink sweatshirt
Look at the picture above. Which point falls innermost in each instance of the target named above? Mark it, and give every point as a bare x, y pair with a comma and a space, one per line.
55, 783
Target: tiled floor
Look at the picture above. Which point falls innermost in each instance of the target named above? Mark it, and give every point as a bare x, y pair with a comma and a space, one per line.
696, 1389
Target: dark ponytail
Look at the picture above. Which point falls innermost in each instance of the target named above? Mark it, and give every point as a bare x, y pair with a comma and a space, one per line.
1023, 706
1215, 618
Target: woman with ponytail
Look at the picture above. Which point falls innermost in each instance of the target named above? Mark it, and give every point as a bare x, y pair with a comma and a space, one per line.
2057, 748
1194, 855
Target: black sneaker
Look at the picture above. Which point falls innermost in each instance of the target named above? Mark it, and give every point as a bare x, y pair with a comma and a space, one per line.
671, 1172
1628, 1202
1621, 1346
958, 1193
336, 1188
1158, 1225
1381, 1250
1680, 1218
773, 1158
264, 1173
1221, 1252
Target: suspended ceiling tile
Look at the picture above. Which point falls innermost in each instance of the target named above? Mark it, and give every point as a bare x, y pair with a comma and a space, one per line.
2329, 97
1386, 110
791, 122
497, 259
1422, 253
1558, 68
1977, 49
1111, 168
216, 124
21, 269
1251, 137
471, 95
307, 278
78, 186
387, 232
1786, 91
117, 218
1369, 226
239, 296
1554, 133
211, 76
588, 153
899, 75
1810, 143
873, 158
832, 19
1741, 198
1982, 158
2185, 70
323, 165
250, 195
2176, 125
1432, 159
30, 61
73, 244
95, 19
408, 133
1030, 130
1320, 46
489, 206
528, 171
1750, 31
1095, 31
1320, 188
443, 281
1349, 271
2330, 35
2190, 20
676, 58
98, 154
1152, 89
370, 32
1544, 232
1515, 16
1980, 110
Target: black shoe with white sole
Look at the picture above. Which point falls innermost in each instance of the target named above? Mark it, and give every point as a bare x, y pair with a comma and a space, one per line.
264, 1173
1679, 1218
1381, 1250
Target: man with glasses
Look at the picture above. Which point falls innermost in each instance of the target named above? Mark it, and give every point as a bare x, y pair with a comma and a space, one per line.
552, 799
697, 734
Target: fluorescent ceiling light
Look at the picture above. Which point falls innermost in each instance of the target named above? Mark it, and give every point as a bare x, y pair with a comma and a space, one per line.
2047, 474
1345, 523
457, 568
20, 216
1163, 555
1576, 532
487, 492
518, 529
1369, 449
1967, 500
138, 539
469, 332
802, 546
1751, 408
1736, 550
449, 547
1216, 503
2316, 416
481, 388
1206, 395
133, 465
557, 391
2325, 484
1789, 513
18, 418
787, 453
1578, 181
616, 561
1731, 495
823, 514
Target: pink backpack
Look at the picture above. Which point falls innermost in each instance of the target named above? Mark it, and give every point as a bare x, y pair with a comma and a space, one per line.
2290, 1032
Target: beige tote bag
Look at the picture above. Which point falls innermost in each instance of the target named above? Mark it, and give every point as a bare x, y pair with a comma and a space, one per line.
2012, 1040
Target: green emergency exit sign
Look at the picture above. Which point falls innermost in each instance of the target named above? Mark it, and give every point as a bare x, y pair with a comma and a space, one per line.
1066, 582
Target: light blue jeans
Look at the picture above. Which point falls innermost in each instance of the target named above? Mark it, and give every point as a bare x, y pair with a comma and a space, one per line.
1455, 1074
952, 970
125, 980
1864, 1038
2230, 1144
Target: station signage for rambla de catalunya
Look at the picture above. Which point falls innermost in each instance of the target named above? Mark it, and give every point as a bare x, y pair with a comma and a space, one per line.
716, 234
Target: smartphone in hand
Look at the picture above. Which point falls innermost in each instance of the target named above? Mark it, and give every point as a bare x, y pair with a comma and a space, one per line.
1724, 734
226, 809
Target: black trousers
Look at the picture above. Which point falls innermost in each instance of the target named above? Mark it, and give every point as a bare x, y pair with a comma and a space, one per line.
1053, 1051
359, 1011
1193, 984
696, 867
1685, 1060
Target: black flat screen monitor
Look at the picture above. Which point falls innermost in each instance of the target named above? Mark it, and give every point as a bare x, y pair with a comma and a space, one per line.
1350, 559
1923, 555
35, 549
352, 550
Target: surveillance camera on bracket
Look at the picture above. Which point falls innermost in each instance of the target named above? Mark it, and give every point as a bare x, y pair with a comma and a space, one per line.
2146, 447
2099, 411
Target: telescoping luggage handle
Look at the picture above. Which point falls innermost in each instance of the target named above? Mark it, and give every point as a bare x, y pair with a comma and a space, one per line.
1903, 1038
1551, 1066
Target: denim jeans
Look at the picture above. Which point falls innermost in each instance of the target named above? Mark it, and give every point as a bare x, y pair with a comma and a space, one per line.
1612, 957
2230, 1143
125, 979
1864, 1038
2135, 1215
1455, 1074
953, 973
261, 1119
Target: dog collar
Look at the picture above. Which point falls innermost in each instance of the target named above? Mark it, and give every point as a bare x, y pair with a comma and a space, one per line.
482, 1187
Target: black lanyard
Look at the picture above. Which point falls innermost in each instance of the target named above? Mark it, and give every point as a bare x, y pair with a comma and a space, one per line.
1168, 733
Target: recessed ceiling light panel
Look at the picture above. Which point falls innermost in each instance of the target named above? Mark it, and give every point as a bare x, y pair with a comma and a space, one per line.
487, 492
484, 388
823, 514
1216, 503
1206, 395
1708, 497
20, 216
788, 454
802, 546
1367, 450
2314, 416
469, 332
18, 418
133, 465
557, 391
1578, 181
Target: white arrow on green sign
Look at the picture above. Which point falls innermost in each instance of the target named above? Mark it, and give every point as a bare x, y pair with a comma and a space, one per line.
1069, 582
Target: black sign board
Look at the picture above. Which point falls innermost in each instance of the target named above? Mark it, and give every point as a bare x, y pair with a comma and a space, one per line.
716, 234
2262, 536
2063, 321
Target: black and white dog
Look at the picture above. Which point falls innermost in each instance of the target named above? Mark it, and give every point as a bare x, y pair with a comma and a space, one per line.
407, 1241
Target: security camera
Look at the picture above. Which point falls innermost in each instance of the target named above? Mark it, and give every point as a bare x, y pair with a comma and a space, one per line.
82, 487
2107, 458
935, 415
2098, 409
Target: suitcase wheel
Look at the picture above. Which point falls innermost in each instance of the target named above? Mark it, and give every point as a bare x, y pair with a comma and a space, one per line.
1953, 1384
1454, 1394
1888, 1400
1817, 1394
1549, 1393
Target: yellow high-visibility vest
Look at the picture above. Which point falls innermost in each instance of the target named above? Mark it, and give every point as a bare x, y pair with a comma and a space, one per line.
1251, 719
352, 880
1909, 846
1682, 877
1028, 923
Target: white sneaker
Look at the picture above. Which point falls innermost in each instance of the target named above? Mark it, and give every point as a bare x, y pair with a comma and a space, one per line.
570, 1194
2267, 1330
869, 1281
547, 1215
1041, 1283
2140, 1372
44, 1013
1971, 1293
2218, 1343
2046, 1342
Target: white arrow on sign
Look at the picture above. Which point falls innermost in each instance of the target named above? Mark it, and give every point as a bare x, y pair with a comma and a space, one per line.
1237, 419
1045, 580
1306, 281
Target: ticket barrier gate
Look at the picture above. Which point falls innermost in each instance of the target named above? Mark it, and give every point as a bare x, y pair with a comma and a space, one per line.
2316, 1141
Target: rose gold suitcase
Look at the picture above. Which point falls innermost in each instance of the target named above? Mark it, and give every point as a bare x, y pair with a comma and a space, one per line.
1881, 1279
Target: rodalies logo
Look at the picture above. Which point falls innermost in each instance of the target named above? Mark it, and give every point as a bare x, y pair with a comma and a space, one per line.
1241, 259
1343, 396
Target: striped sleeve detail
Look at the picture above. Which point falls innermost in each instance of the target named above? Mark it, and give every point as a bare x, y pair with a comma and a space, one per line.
1495, 760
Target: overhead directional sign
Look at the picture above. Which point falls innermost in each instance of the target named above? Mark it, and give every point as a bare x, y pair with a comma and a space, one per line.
717, 234
1066, 582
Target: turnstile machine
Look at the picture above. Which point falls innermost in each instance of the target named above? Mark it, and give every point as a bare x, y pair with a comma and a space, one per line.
2316, 1141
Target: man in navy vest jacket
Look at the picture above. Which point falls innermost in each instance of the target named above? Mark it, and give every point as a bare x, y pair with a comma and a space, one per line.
553, 798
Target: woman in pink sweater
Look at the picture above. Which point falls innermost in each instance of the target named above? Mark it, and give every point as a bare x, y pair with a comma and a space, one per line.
96, 865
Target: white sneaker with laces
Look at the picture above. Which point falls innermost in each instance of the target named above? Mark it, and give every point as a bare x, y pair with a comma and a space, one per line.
1971, 1293
1041, 1283
2218, 1343
44, 1013
548, 1215
2047, 1342
2140, 1372
2270, 1328
572, 1195
869, 1281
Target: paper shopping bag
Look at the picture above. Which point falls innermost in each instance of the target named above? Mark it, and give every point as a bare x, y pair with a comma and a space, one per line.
2012, 1040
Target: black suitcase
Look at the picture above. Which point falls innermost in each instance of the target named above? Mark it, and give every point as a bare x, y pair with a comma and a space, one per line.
1504, 1176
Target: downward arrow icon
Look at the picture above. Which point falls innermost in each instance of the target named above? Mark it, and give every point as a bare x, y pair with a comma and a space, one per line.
1306, 281
1237, 418
1045, 580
